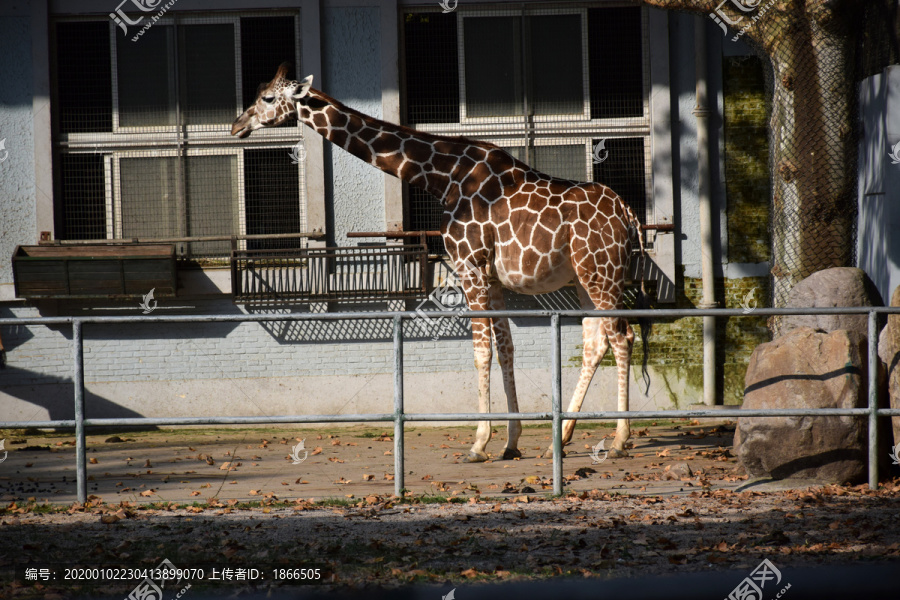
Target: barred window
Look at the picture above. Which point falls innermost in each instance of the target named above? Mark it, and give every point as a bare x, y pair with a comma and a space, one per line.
144, 128
564, 89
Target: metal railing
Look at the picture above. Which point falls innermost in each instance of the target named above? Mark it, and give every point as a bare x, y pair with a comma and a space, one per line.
400, 417
330, 274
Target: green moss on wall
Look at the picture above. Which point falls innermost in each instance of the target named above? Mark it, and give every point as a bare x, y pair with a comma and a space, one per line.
746, 159
676, 345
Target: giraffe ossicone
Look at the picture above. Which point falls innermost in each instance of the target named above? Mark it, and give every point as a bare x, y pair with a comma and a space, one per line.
513, 226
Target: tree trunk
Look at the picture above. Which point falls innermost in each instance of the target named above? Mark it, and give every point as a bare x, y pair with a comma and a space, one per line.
811, 45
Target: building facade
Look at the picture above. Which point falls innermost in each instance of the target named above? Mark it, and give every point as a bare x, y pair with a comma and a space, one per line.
116, 120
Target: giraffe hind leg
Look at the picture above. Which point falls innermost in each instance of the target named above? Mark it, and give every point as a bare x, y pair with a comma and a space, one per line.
595, 346
594, 349
621, 339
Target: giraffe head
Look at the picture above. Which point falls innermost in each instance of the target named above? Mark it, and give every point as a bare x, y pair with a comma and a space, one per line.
275, 103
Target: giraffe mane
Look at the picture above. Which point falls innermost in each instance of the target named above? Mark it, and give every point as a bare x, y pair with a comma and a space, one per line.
315, 94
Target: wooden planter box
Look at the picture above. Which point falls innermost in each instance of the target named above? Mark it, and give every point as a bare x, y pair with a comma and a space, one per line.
101, 271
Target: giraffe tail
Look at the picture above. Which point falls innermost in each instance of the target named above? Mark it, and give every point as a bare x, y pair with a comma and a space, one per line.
642, 302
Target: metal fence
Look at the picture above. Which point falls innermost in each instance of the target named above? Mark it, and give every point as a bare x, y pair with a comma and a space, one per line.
331, 274
400, 417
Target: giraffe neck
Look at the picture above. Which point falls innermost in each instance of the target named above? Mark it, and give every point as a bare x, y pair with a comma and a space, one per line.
430, 162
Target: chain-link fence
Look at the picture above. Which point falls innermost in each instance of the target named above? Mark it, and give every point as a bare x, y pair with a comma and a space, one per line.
815, 56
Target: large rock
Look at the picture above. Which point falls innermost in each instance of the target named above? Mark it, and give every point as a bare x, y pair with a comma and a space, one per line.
889, 352
806, 369
840, 286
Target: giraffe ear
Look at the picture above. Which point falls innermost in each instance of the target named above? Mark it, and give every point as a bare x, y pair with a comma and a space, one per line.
303, 89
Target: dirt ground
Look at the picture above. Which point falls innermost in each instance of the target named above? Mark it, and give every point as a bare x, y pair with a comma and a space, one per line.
458, 525
183, 465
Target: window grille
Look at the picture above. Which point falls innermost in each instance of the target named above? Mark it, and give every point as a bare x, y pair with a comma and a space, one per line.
565, 89
144, 131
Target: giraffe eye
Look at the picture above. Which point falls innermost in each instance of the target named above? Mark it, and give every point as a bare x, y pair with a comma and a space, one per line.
269, 99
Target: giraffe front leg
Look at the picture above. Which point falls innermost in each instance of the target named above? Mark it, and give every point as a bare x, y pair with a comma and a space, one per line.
622, 344
481, 339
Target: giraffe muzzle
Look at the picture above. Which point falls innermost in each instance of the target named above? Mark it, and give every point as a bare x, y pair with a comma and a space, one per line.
244, 124
240, 129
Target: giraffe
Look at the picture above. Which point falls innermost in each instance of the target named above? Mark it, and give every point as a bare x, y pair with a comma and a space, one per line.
516, 227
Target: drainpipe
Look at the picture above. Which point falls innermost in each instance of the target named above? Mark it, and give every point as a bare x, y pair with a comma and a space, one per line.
701, 112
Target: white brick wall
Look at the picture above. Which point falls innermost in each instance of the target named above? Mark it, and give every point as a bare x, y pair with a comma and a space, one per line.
126, 365
233, 350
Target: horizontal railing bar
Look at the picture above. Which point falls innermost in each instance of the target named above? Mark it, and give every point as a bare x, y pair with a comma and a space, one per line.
436, 417
132, 421
345, 251
387, 315
477, 416
392, 234
725, 413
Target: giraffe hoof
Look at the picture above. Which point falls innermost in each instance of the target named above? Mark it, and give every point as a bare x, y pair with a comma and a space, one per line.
549, 453
475, 458
511, 453
614, 453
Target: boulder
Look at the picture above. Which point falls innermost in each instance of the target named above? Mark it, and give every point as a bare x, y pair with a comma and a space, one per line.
889, 352
806, 369
840, 286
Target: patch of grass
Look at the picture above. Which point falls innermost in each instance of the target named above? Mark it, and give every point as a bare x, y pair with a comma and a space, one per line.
374, 434
432, 499
32, 507
42, 509
337, 502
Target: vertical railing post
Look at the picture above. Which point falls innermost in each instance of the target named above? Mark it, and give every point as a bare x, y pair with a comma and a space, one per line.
556, 374
873, 400
78, 382
398, 406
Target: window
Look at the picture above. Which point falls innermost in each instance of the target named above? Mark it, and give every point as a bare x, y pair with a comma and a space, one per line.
144, 142
564, 89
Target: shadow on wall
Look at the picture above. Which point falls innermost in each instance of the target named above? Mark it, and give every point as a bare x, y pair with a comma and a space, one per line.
357, 330
56, 395
10, 337
445, 297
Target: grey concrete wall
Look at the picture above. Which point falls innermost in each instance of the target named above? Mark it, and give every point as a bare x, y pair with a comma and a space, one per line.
351, 61
17, 189
879, 180
684, 141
